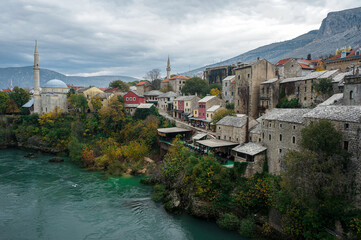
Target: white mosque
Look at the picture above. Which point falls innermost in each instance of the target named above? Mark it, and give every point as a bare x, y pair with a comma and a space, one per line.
53, 94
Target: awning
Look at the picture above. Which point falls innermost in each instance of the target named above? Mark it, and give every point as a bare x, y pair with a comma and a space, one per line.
250, 148
199, 136
214, 143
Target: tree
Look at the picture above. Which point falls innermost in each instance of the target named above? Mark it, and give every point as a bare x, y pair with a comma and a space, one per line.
155, 84
153, 74
96, 103
309, 56
323, 87
120, 85
78, 101
112, 116
195, 85
221, 114
12, 107
4, 101
215, 92
20, 96
133, 83
71, 91
216, 85
143, 113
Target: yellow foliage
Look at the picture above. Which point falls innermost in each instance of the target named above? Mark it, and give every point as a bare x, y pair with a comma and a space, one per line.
215, 92
48, 118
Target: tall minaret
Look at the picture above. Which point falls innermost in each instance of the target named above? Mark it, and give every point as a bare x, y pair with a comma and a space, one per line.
37, 100
11, 85
168, 68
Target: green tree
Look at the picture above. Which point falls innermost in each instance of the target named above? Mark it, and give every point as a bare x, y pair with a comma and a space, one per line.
323, 87
133, 83
112, 116
119, 84
20, 96
71, 91
143, 113
12, 107
221, 114
196, 85
216, 85
78, 101
4, 101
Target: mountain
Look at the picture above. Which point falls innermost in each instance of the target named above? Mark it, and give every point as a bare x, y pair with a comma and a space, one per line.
24, 77
338, 29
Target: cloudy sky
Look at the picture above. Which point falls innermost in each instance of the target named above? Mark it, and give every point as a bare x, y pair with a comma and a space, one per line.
131, 37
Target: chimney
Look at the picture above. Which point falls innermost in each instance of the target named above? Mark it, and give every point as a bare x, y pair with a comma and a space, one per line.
278, 74
258, 59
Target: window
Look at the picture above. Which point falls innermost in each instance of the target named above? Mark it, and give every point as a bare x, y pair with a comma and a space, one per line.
294, 126
207, 114
280, 137
269, 137
180, 82
267, 90
263, 135
293, 139
229, 138
225, 84
263, 90
248, 75
133, 98
351, 94
219, 128
305, 89
219, 137
280, 125
305, 98
345, 145
224, 137
346, 126
270, 124
239, 77
280, 150
127, 99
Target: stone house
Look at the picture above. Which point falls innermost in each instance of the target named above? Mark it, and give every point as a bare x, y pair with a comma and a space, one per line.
205, 103
344, 61
281, 131
143, 87
254, 154
232, 128
248, 80
269, 95
301, 88
165, 100
89, 92
227, 94
152, 96
292, 67
177, 82
212, 110
164, 83
352, 90
338, 81
217, 74
104, 98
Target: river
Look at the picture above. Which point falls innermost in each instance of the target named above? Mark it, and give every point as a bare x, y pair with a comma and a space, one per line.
41, 200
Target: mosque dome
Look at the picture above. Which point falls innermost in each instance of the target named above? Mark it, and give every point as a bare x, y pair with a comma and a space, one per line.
55, 83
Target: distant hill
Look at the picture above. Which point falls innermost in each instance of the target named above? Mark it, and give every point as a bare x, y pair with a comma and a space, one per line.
338, 29
24, 77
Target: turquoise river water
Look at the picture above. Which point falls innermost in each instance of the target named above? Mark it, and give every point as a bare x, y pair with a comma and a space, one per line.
41, 200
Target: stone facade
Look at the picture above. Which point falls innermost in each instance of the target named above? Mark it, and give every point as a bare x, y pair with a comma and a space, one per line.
233, 129
281, 132
213, 110
227, 94
177, 83
143, 87
269, 95
248, 80
217, 74
165, 101
352, 90
344, 61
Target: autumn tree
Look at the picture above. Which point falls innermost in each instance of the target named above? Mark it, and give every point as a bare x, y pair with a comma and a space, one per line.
143, 113
96, 103
215, 92
112, 116
323, 88
12, 107
120, 85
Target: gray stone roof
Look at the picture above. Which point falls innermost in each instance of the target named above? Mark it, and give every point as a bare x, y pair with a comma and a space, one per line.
233, 121
312, 75
83, 89
103, 95
336, 113
168, 95
206, 99
145, 105
153, 93
185, 98
257, 129
214, 108
199, 136
340, 77
292, 115
334, 99
131, 105
250, 148
229, 78
272, 80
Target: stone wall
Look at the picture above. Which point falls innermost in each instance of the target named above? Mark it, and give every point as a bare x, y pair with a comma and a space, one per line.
252, 167
292, 69
352, 91
279, 137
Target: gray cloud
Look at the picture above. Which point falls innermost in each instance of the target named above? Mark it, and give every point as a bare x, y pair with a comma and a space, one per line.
131, 37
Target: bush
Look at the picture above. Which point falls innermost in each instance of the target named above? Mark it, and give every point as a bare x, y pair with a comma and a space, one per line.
159, 193
247, 227
228, 221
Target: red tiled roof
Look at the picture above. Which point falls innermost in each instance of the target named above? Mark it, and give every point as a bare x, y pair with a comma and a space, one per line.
102, 89
141, 83
234, 82
304, 66
6, 90
74, 87
282, 61
109, 89
351, 54
179, 77
165, 80
335, 57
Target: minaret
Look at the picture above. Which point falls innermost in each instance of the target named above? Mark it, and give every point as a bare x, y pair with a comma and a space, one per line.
168, 68
11, 85
37, 100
